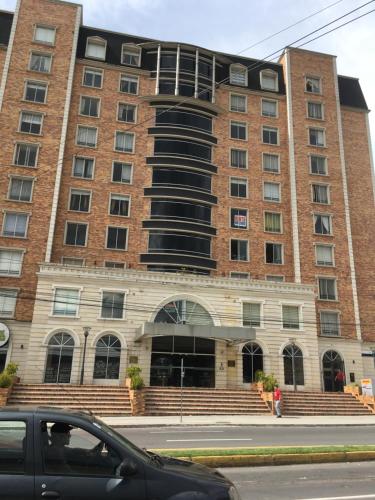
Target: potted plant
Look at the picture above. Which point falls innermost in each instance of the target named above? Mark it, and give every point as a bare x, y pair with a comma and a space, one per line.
135, 383
259, 378
7, 379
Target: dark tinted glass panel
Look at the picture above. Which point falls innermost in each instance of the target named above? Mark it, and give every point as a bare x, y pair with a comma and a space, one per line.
176, 269
166, 87
185, 178
179, 243
187, 64
12, 449
204, 346
186, 90
182, 148
183, 119
184, 344
162, 344
205, 69
204, 93
168, 61
173, 209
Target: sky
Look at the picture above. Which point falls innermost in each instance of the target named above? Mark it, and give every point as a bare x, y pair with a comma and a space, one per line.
233, 25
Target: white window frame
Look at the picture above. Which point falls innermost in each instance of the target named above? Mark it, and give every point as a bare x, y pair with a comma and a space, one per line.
265, 253
281, 222
328, 193
113, 290
325, 162
330, 223
275, 183
127, 104
36, 113
5, 212
269, 73
319, 129
265, 153
21, 251
332, 247
247, 250
307, 77
98, 41
114, 262
122, 196
245, 276
247, 158
43, 54
247, 218
126, 240
47, 27
246, 181
130, 77
94, 70
21, 143
23, 178
81, 259
35, 82
275, 101
270, 278
119, 150
131, 48
238, 122
333, 311
15, 291
312, 117
249, 300
81, 97
131, 173
66, 287
84, 192
86, 145
84, 157
235, 94
273, 129
66, 232
300, 316
241, 67
334, 279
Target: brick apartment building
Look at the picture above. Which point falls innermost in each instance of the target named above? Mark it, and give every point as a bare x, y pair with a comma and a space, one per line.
172, 201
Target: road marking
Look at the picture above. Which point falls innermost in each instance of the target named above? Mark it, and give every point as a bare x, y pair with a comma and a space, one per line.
213, 439
354, 497
183, 432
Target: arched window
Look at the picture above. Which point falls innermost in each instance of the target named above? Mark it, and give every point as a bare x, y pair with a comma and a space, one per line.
333, 365
269, 80
238, 75
59, 359
252, 360
107, 357
183, 312
293, 365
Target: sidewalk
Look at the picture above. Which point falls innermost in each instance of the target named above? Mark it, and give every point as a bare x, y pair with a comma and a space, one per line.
253, 420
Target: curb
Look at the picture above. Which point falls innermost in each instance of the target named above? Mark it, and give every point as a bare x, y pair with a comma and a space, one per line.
282, 459
227, 424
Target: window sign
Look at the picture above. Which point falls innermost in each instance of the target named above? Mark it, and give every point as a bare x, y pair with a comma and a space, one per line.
4, 334
240, 221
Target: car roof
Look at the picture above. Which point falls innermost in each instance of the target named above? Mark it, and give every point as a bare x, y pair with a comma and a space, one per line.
45, 411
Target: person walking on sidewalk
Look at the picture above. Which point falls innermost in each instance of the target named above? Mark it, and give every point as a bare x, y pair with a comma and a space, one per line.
277, 400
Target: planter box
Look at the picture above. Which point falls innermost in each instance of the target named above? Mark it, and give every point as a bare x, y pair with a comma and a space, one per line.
137, 401
4, 394
352, 389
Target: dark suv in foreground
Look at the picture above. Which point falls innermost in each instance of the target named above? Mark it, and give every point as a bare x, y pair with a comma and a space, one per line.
50, 453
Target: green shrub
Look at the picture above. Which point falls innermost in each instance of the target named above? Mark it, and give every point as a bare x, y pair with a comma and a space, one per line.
136, 381
11, 368
269, 382
133, 370
5, 380
259, 376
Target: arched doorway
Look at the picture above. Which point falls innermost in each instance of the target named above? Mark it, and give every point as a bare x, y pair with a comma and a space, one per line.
59, 359
252, 361
332, 365
107, 358
198, 354
293, 365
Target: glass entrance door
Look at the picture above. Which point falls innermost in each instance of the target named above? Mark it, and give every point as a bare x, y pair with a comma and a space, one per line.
59, 359
333, 367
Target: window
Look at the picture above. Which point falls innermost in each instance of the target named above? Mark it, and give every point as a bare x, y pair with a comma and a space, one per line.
131, 55
324, 255
271, 163
96, 48
238, 218
121, 172
66, 302
270, 135
269, 80
76, 234
79, 200
129, 84
269, 108
320, 193
272, 222
26, 155
274, 253
119, 205
239, 250
238, 130
329, 323
126, 113
274, 277
15, 224
238, 103
10, 262
271, 191
317, 137
313, 85
12, 449
89, 106
73, 261
238, 158
93, 78
35, 92
117, 238
293, 365
322, 224
238, 187
83, 167
40, 62
107, 358
318, 165
44, 34
238, 75
31, 123
113, 305
315, 110
20, 189
291, 317
239, 276
114, 265
87, 136
327, 289
8, 300
251, 314
124, 142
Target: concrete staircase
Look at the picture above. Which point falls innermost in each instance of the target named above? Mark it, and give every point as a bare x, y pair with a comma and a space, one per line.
101, 400
318, 403
167, 401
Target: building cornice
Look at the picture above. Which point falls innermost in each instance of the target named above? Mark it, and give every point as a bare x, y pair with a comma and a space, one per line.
136, 276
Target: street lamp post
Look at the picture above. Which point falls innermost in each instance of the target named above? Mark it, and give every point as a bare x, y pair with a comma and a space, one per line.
86, 331
293, 364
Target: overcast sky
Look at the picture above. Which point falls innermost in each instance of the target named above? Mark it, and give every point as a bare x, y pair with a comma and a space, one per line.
232, 25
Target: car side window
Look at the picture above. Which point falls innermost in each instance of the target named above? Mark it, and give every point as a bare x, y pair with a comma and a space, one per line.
71, 450
12, 447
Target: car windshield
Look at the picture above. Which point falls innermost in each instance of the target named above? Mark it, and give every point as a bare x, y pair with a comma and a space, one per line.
142, 454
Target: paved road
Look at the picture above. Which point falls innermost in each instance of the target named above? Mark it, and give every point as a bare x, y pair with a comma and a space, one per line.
306, 482
240, 436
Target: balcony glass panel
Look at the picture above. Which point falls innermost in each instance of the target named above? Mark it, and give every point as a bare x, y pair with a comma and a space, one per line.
178, 147
181, 210
186, 244
181, 178
183, 119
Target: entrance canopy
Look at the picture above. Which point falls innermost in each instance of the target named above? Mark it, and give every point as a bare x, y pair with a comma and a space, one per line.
231, 334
